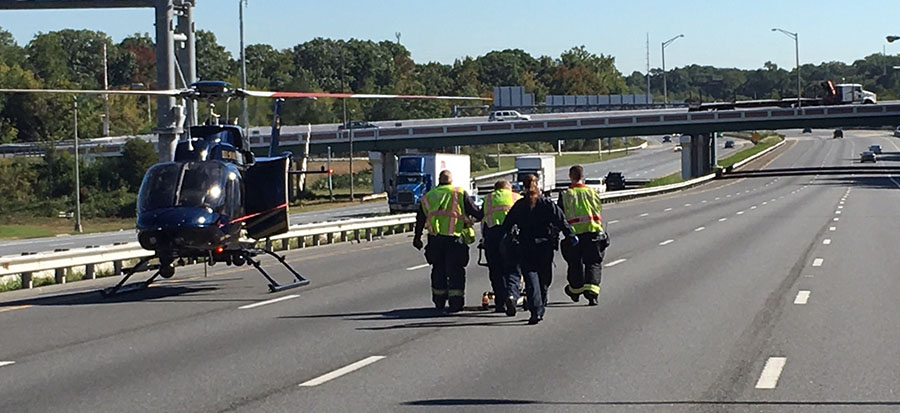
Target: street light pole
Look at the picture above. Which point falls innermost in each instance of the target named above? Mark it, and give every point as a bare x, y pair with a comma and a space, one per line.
665, 87
245, 117
78, 227
797, 57
346, 124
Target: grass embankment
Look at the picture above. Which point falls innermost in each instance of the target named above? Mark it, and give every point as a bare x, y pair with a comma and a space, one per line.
760, 146
566, 159
763, 144
36, 227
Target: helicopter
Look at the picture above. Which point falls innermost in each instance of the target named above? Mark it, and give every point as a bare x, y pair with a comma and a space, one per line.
216, 198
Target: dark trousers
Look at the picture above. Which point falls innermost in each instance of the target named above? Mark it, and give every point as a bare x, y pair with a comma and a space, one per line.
584, 263
448, 257
503, 272
537, 269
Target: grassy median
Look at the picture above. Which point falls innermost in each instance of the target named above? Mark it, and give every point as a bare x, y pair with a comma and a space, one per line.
763, 144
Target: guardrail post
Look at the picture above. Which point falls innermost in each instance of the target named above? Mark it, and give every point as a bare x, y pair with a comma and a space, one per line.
330, 238
368, 234
89, 272
356, 235
316, 240
27, 280
60, 276
117, 267
343, 236
286, 244
301, 242
379, 232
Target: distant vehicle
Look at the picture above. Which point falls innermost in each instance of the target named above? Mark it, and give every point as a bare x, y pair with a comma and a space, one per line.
614, 181
876, 149
838, 133
502, 115
845, 93
867, 156
677, 148
807, 130
357, 124
542, 166
897, 132
667, 139
729, 144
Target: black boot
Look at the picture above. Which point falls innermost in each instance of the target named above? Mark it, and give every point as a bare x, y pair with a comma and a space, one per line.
439, 301
592, 300
456, 304
511, 306
572, 295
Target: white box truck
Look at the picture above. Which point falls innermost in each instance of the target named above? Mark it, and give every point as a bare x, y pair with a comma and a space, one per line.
418, 173
544, 166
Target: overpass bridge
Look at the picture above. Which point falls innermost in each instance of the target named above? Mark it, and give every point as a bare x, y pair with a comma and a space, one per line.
392, 137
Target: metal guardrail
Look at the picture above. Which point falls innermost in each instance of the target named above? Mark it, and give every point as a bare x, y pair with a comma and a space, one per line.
62, 263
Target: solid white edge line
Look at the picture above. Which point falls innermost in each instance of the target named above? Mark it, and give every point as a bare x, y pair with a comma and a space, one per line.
818, 262
802, 297
416, 267
826, 241
667, 242
6, 363
262, 303
768, 379
341, 371
616, 262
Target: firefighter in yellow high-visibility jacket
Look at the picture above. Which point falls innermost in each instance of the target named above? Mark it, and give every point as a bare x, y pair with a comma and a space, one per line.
502, 270
448, 213
581, 206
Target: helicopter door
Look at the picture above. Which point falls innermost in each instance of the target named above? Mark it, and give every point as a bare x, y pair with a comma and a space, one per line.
267, 197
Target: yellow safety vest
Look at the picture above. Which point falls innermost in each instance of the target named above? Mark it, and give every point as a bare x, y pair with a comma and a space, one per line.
581, 206
444, 213
497, 205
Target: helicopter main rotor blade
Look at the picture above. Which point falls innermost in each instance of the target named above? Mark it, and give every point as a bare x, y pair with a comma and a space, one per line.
314, 95
100, 92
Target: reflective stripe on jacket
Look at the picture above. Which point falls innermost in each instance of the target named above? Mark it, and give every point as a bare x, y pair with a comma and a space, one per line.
582, 207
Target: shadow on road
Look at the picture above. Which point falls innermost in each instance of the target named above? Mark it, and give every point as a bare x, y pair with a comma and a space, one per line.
657, 403
433, 317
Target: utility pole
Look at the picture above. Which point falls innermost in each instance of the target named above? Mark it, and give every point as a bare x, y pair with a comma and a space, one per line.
648, 70
245, 117
346, 124
105, 96
78, 227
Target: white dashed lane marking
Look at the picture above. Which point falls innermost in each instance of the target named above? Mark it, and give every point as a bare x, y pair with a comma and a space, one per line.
699, 229
667, 242
836, 219
416, 267
667, 209
826, 241
723, 219
6, 363
802, 297
740, 213
768, 379
644, 214
613, 221
341, 371
832, 228
818, 262
272, 301
616, 262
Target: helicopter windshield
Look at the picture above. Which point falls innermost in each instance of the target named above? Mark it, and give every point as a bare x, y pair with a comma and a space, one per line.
190, 184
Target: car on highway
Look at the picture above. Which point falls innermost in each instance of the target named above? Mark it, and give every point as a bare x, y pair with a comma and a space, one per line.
614, 181
897, 132
357, 124
867, 156
501, 115
838, 133
876, 149
807, 130
677, 148
667, 139
729, 144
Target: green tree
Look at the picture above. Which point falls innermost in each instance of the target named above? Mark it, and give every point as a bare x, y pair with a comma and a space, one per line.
213, 61
138, 155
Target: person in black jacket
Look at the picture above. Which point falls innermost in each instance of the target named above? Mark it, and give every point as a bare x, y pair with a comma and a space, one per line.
538, 222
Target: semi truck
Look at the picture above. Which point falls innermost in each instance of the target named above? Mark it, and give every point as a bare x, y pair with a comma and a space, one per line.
418, 173
835, 94
543, 166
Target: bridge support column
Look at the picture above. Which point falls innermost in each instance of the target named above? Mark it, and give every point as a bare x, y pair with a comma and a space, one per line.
384, 171
697, 155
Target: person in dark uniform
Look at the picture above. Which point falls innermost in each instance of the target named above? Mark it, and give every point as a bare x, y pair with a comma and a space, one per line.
538, 221
449, 214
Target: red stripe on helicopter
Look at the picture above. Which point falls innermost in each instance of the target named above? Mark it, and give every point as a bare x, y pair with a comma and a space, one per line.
246, 217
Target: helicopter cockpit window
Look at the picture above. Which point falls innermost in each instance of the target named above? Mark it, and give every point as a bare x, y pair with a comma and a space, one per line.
191, 184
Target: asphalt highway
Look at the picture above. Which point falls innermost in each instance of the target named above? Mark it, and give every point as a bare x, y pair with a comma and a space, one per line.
773, 293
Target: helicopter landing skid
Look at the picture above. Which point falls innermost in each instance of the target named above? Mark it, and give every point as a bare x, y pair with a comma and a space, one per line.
122, 288
274, 286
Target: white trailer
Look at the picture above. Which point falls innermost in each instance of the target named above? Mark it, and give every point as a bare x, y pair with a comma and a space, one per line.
544, 166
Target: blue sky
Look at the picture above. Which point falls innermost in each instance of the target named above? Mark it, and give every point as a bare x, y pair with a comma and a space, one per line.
719, 33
